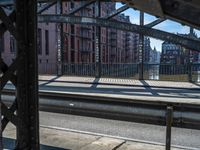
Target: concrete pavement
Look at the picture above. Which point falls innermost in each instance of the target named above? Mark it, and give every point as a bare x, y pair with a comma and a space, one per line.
188, 138
122, 82
128, 131
125, 93
57, 139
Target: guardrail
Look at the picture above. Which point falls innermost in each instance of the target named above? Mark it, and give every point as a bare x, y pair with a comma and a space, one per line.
182, 115
190, 72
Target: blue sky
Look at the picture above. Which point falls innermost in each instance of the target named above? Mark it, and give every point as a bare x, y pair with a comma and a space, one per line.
168, 25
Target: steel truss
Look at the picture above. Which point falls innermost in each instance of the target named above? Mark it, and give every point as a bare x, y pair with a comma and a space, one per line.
23, 113
21, 23
193, 44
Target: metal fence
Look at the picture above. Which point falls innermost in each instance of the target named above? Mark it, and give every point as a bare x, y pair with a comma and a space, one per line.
79, 69
120, 70
166, 72
47, 68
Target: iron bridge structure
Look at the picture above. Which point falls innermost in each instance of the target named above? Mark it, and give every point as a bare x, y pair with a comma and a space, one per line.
20, 18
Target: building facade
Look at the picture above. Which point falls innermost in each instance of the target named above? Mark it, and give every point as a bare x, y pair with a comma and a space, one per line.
46, 47
154, 56
116, 46
177, 54
79, 41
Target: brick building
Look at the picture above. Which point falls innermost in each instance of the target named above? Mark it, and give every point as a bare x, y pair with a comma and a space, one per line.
47, 47
116, 46
79, 41
177, 54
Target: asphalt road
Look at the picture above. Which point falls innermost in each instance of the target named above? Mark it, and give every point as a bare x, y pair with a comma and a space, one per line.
152, 133
144, 132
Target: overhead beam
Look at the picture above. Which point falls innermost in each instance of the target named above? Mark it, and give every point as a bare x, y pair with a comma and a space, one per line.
192, 44
81, 7
154, 8
116, 12
46, 6
195, 3
11, 2
179, 10
156, 22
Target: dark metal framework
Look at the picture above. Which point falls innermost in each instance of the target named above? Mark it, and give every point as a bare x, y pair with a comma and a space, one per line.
23, 113
193, 44
21, 23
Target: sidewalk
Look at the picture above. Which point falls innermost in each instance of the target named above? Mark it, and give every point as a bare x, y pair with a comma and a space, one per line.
57, 139
121, 82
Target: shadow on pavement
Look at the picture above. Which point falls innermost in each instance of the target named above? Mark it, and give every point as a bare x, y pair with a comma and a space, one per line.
157, 92
49, 81
148, 88
95, 83
10, 144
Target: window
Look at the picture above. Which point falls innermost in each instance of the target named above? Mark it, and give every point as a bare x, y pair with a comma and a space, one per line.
2, 44
47, 42
72, 42
78, 47
12, 44
66, 27
39, 41
72, 5
72, 29
72, 56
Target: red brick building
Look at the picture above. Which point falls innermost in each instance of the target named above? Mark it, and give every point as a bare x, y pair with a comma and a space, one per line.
79, 41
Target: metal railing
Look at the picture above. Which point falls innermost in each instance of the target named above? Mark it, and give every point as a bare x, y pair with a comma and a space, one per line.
47, 68
79, 69
165, 72
120, 70
165, 113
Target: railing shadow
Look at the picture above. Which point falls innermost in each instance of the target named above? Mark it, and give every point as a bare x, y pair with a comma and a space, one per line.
95, 83
10, 144
49, 81
127, 91
148, 88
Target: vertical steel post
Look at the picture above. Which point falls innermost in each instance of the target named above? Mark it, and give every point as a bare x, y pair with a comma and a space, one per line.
169, 120
190, 59
189, 66
60, 40
27, 75
141, 49
1, 146
98, 42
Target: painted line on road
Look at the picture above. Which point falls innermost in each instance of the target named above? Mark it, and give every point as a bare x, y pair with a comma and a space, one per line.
116, 137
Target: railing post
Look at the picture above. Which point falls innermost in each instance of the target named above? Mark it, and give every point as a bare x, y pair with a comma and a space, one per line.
190, 58
189, 67
190, 72
60, 40
141, 49
169, 120
98, 42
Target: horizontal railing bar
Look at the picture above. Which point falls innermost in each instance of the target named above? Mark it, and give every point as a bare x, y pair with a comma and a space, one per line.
184, 116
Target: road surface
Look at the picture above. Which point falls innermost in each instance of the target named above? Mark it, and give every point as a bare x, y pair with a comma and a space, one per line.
126, 130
